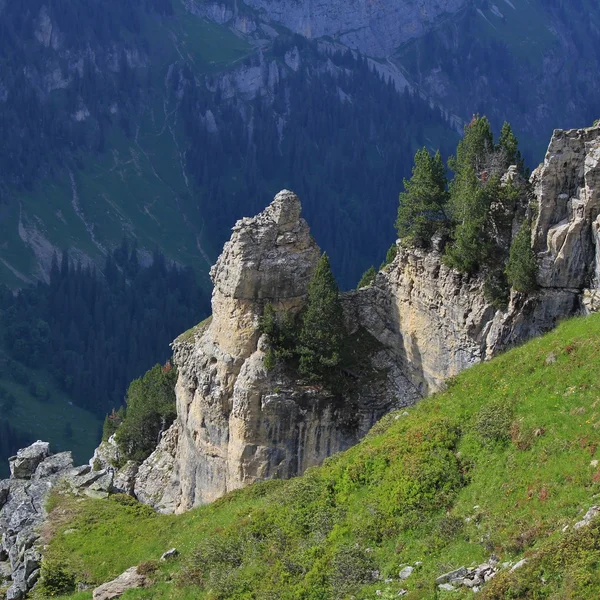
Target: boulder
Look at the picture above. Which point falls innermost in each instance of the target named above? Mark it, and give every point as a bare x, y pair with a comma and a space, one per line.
24, 464
129, 580
124, 479
57, 463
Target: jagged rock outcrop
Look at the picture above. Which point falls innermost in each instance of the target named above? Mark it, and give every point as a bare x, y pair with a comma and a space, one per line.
35, 472
238, 422
438, 321
418, 324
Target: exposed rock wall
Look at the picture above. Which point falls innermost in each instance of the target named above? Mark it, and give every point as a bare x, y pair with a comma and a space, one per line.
438, 321
34, 473
418, 324
238, 422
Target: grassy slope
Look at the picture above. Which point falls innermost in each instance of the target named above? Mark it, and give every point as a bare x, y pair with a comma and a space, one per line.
500, 462
138, 185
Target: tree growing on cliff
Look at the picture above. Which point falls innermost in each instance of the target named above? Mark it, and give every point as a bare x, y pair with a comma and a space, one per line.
323, 331
367, 278
521, 269
150, 411
480, 205
421, 211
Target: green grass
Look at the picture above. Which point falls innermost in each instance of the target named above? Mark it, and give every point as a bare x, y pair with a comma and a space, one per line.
500, 462
192, 332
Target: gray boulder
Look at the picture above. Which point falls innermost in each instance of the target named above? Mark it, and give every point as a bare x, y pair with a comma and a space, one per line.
24, 464
129, 580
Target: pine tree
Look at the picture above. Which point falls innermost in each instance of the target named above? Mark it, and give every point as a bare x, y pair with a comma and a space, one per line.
368, 278
522, 266
323, 331
421, 211
508, 148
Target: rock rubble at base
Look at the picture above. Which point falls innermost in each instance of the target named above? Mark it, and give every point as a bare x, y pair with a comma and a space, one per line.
35, 472
472, 578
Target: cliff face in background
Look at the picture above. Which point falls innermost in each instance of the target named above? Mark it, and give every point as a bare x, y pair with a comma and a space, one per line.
373, 28
424, 322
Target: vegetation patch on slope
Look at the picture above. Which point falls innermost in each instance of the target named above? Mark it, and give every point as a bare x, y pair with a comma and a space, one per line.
502, 462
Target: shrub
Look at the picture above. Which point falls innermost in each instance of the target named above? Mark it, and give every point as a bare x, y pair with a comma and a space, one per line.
147, 567
493, 422
55, 580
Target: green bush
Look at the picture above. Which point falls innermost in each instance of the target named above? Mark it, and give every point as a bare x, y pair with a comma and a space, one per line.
55, 580
493, 422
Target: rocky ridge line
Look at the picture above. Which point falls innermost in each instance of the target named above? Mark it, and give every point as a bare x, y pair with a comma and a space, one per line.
238, 423
34, 473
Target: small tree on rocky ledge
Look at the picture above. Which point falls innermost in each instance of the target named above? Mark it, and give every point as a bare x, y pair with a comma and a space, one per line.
521, 269
323, 332
150, 411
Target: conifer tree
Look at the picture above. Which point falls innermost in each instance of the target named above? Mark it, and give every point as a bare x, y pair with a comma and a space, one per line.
150, 411
472, 191
508, 148
323, 331
368, 278
421, 211
522, 266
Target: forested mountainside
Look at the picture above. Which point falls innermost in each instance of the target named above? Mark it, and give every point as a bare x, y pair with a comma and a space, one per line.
532, 60
148, 119
70, 347
169, 120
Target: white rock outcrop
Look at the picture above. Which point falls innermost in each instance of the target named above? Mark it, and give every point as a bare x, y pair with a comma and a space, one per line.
237, 422
418, 324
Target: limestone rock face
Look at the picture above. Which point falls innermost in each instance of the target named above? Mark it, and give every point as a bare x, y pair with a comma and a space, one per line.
23, 465
567, 186
418, 324
34, 472
237, 422
438, 322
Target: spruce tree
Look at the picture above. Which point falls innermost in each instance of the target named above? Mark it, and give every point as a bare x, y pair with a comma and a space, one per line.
367, 278
508, 148
150, 411
421, 211
521, 269
323, 331
472, 191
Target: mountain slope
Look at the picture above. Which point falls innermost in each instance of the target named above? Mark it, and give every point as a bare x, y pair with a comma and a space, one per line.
165, 122
505, 461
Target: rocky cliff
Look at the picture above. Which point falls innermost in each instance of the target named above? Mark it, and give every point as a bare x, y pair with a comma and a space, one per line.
438, 321
34, 473
238, 422
418, 324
